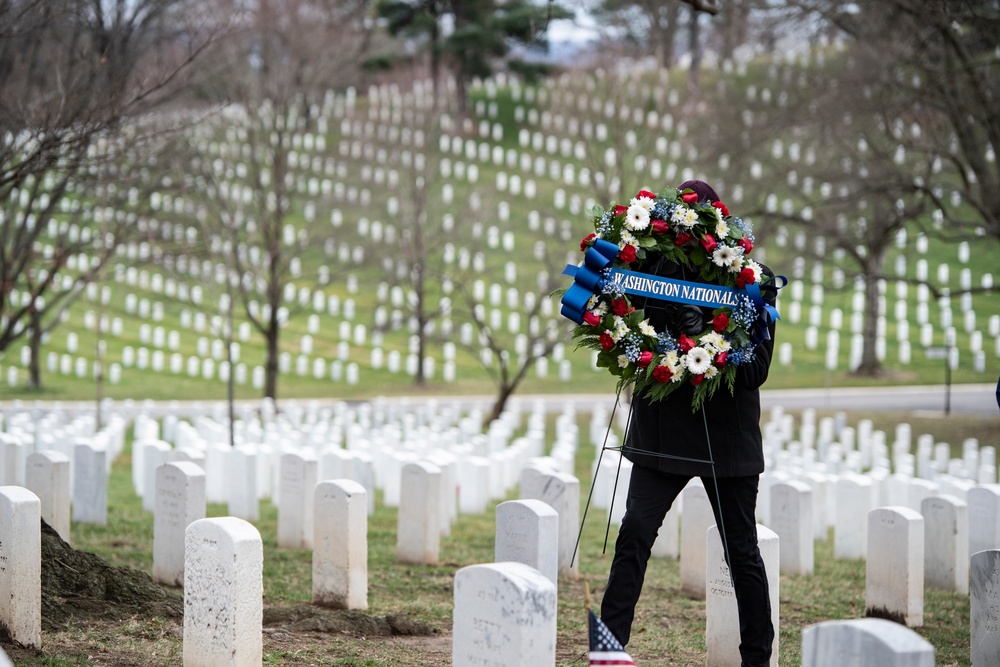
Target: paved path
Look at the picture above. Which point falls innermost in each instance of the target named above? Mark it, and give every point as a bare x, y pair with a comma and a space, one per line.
967, 399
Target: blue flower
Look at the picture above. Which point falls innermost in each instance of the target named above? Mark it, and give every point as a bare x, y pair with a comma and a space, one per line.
665, 342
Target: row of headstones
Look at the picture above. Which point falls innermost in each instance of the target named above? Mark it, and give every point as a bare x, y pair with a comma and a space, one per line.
381, 447
832, 446
503, 611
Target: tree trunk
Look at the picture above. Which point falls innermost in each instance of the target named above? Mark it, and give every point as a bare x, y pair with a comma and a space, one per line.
435, 63
694, 74
271, 363
504, 392
461, 94
668, 29
35, 345
870, 365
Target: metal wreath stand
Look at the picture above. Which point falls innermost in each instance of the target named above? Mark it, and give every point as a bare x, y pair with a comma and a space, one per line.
622, 449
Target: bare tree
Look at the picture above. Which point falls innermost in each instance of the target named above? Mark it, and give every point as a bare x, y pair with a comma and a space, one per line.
941, 63
75, 79
497, 350
289, 54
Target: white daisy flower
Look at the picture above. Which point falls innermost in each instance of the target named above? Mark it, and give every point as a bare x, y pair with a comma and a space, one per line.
723, 256
757, 270
592, 302
721, 229
644, 202
637, 217
622, 361
736, 264
697, 360
646, 329
628, 239
711, 372
601, 310
684, 217
714, 343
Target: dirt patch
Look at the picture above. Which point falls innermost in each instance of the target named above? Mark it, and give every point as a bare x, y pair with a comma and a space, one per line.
303, 618
77, 585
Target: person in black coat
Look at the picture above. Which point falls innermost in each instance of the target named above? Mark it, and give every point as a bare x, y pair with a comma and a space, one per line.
669, 444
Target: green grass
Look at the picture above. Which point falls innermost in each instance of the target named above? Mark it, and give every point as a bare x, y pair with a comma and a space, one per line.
669, 627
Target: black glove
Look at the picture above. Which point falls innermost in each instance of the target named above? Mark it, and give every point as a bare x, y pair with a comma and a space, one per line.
689, 320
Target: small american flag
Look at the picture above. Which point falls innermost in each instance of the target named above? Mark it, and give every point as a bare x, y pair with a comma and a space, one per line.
604, 648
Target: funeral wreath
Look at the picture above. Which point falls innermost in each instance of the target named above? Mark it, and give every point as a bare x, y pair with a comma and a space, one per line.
710, 243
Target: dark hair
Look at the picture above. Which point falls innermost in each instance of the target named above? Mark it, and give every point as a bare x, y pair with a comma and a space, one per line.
705, 191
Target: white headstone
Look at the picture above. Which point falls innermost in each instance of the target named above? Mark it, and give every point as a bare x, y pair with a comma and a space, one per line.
418, 535
527, 531
894, 581
47, 476
223, 594
946, 543
864, 642
154, 454
21, 565
696, 518
90, 485
853, 495
561, 491
340, 545
984, 575
668, 539
984, 517
295, 500
241, 487
792, 520
504, 614
179, 500
722, 627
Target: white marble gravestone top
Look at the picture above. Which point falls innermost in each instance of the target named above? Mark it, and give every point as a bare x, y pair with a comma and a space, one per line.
864, 642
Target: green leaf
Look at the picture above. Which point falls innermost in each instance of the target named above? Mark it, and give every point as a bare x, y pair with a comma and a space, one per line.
647, 242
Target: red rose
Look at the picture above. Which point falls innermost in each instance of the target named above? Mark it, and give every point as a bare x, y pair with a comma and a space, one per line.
586, 242
607, 342
627, 254
720, 322
685, 343
690, 197
620, 210
720, 359
708, 242
645, 193
745, 278
662, 374
592, 319
619, 307
696, 380
645, 358
746, 244
682, 238
722, 207
659, 226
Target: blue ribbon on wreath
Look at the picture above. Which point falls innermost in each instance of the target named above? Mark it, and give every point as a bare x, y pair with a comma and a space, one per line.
585, 278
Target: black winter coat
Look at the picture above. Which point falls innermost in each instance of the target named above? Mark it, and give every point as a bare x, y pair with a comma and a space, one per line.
668, 427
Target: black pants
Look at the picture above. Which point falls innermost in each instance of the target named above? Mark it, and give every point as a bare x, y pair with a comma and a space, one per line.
650, 495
